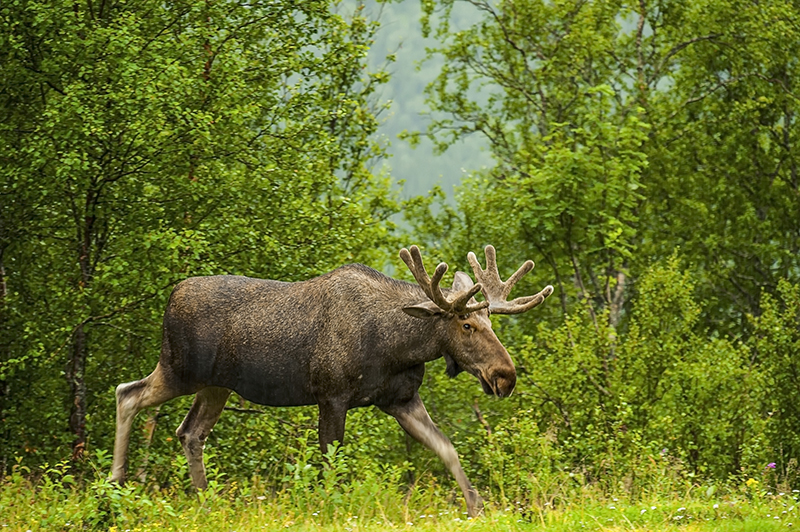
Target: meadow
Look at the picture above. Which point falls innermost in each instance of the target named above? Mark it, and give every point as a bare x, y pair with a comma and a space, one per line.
53, 498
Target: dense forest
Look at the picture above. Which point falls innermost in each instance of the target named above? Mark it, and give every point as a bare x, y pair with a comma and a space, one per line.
645, 154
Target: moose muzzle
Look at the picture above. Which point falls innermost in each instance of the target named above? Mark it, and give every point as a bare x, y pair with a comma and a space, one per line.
499, 382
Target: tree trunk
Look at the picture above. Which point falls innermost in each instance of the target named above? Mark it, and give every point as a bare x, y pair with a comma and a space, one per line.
617, 300
76, 367
3, 286
77, 383
4, 355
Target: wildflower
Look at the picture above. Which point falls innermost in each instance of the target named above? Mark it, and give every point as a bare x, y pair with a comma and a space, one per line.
716, 506
771, 465
751, 482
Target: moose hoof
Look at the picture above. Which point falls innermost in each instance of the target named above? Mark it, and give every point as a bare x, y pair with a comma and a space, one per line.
474, 503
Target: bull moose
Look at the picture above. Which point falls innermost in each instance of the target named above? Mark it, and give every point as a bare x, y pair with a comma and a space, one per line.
352, 337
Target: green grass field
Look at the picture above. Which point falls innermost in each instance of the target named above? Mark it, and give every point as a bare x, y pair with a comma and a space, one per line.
55, 500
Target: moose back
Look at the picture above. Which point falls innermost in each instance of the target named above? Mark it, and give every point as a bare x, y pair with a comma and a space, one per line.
352, 337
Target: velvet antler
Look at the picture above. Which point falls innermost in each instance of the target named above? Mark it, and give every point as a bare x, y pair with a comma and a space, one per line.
458, 303
496, 291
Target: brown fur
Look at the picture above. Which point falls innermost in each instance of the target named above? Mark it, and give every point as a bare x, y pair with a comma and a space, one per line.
349, 338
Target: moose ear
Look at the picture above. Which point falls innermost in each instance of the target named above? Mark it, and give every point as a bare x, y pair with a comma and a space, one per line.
462, 281
426, 309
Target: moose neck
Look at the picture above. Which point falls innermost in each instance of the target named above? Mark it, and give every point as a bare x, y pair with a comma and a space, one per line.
425, 340
412, 341
373, 304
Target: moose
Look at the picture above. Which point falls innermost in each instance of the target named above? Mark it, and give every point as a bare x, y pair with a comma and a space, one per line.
350, 338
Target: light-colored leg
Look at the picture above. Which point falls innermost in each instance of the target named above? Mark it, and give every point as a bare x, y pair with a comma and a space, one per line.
415, 420
204, 414
132, 397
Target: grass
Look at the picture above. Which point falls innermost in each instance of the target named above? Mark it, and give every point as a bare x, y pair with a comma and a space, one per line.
334, 499
55, 500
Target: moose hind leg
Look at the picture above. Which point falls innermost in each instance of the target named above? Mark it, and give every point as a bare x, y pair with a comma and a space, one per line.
204, 414
415, 420
132, 397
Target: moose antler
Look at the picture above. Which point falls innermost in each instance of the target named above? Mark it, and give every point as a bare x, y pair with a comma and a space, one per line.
496, 291
459, 302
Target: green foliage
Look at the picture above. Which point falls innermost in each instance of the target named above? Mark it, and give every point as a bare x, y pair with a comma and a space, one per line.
523, 465
775, 347
724, 157
55, 500
620, 133
142, 143
698, 395
145, 142
531, 77
664, 389
661, 404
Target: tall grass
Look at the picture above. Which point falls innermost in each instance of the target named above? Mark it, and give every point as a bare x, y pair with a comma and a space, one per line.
331, 496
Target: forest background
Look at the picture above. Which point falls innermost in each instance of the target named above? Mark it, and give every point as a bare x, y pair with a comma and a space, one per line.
644, 154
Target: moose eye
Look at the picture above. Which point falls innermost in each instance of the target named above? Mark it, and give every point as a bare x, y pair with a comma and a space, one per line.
467, 326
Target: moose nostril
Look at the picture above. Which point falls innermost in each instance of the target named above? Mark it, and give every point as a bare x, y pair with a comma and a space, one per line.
500, 382
504, 385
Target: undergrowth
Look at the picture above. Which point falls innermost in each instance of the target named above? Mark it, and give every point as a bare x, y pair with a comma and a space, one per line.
328, 496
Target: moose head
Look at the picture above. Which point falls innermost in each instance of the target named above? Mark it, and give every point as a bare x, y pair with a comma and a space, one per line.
473, 346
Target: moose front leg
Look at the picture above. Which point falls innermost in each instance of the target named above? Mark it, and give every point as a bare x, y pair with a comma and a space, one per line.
415, 420
332, 417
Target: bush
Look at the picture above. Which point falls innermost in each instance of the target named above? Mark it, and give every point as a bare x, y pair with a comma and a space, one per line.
657, 404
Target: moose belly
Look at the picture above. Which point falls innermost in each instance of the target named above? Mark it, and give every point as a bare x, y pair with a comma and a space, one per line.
270, 376
274, 393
